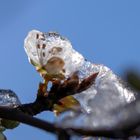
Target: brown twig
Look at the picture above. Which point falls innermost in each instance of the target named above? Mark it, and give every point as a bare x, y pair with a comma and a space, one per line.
118, 131
58, 91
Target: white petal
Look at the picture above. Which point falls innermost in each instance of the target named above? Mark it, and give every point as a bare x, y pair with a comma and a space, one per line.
41, 47
30, 45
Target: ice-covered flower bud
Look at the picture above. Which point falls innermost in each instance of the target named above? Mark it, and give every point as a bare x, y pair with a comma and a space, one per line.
52, 53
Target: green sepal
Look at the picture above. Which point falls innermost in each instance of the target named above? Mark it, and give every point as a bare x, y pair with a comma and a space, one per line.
8, 124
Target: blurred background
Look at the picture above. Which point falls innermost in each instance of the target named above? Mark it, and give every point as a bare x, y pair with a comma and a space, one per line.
104, 32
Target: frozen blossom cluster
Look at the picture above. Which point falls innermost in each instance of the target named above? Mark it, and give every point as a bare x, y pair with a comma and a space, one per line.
53, 54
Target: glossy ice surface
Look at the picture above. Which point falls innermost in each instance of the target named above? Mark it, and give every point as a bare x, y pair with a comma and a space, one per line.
107, 94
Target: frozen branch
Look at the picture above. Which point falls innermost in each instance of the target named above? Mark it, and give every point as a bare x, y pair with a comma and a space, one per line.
124, 128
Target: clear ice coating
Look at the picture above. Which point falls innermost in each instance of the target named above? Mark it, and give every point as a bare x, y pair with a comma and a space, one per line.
106, 94
8, 98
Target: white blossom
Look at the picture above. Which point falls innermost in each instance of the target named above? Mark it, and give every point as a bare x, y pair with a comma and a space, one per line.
51, 53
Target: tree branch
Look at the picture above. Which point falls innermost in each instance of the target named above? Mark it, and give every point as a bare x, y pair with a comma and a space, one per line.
124, 128
58, 91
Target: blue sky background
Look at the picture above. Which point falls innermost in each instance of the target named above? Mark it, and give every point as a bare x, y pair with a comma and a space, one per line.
104, 31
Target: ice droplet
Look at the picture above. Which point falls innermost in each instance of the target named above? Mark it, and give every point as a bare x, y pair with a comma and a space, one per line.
8, 98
